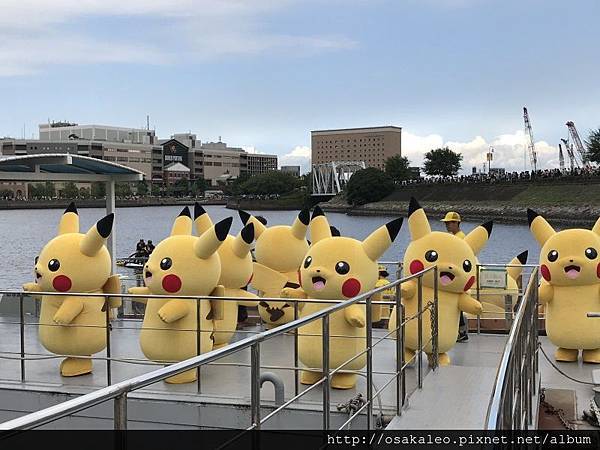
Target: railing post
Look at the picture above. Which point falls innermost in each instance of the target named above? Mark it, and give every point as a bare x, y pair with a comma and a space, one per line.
420, 331
198, 345
435, 321
479, 300
108, 351
326, 382
296, 373
255, 384
369, 334
22, 337
399, 350
120, 412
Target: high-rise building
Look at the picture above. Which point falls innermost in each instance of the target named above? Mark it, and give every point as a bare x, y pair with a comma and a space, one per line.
293, 170
373, 145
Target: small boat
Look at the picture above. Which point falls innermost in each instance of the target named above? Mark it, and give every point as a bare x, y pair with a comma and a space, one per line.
132, 261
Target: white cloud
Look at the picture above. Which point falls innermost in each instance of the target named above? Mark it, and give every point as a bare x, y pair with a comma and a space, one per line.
298, 156
38, 33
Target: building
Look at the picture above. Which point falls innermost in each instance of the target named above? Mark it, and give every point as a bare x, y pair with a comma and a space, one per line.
373, 145
134, 155
62, 131
260, 163
175, 172
293, 170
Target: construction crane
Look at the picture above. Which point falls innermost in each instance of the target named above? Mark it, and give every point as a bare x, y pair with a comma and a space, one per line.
561, 158
572, 159
577, 143
530, 142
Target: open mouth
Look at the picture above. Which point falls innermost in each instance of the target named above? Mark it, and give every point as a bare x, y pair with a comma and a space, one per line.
148, 275
37, 275
318, 283
572, 271
446, 278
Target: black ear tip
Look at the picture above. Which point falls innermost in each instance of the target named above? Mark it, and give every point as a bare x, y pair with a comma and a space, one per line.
185, 212
531, 215
522, 257
222, 228
393, 227
317, 212
71, 208
248, 233
198, 210
488, 227
334, 231
104, 225
413, 205
304, 216
244, 216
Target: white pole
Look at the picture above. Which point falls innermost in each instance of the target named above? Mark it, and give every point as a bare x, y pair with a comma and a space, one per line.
112, 239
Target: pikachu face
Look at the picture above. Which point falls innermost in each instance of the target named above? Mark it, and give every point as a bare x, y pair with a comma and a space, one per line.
184, 264
568, 257
454, 257
342, 267
282, 247
236, 260
73, 261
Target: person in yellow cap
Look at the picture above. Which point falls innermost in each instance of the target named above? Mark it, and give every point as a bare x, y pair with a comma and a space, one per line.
452, 221
388, 294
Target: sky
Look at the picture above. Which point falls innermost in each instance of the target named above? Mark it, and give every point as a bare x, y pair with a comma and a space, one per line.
263, 73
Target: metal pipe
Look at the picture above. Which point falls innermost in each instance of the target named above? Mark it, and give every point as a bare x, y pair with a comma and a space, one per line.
436, 321
108, 352
369, 337
420, 332
296, 373
278, 386
255, 384
22, 337
479, 300
399, 351
120, 412
326, 379
198, 346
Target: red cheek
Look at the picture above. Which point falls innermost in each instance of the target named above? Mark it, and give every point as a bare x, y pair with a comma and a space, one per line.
416, 266
171, 283
546, 272
469, 284
62, 283
351, 287
598, 270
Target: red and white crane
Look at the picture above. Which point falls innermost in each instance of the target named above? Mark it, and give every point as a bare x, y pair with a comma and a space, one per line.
530, 145
577, 144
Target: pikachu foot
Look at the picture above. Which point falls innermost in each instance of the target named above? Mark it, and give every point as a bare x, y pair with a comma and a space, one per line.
566, 355
73, 367
343, 380
443, 359
308, 377
182, 378
591, 356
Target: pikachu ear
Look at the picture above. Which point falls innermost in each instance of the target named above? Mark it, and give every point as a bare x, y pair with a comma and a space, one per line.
300, 225
96, 236
69, 222
596, 228
381, 239
319, 226
516, 265
210, 241
539, 227
201, 219
258, 226
477, 238
242, 243
418, 225
183, 223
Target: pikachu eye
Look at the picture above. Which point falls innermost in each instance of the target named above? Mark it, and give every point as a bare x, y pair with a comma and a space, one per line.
166, 263
53, 265
467, 266
552, 255
431, 255
307, 262
342, 267
591, 253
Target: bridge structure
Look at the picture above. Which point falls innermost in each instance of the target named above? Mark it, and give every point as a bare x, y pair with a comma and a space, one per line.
330, 178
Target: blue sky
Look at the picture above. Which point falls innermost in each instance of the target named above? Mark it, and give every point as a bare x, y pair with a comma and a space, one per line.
263, 73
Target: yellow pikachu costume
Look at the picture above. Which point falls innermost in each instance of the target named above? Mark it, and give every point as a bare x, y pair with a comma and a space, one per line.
78, 263
280, 248
236, 273
186, 265
456, 261
570, 267
338, 268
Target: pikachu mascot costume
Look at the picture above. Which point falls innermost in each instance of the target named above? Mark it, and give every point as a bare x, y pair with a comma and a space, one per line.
456, 261
281, 249
75, 262
338, 268
186, 265
236, 273
570, 268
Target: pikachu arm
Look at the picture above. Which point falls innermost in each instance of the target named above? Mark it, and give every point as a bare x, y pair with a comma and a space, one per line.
174, 310
252, 298
545, 293
408, 290
469, 305
32, 287
113, 286
267, 280
294, 293
355, 316
68, 310
139, 290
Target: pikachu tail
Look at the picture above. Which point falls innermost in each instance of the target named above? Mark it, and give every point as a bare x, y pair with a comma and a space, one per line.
516, 265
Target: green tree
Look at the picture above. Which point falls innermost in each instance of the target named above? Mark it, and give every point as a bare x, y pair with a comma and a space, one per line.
182, 187
142, 188
70, 191
84, 193
368, 185
593, 146
199, 186
49, 189
155, 189
442, 161
122, 190
397, 167
98, 189
271, 182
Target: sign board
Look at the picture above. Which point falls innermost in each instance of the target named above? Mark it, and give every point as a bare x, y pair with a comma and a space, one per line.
492, 278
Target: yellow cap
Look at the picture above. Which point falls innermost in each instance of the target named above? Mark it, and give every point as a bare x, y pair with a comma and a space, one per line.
451, 216
382, 268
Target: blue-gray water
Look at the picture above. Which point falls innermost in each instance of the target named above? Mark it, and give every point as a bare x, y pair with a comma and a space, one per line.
24, 232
